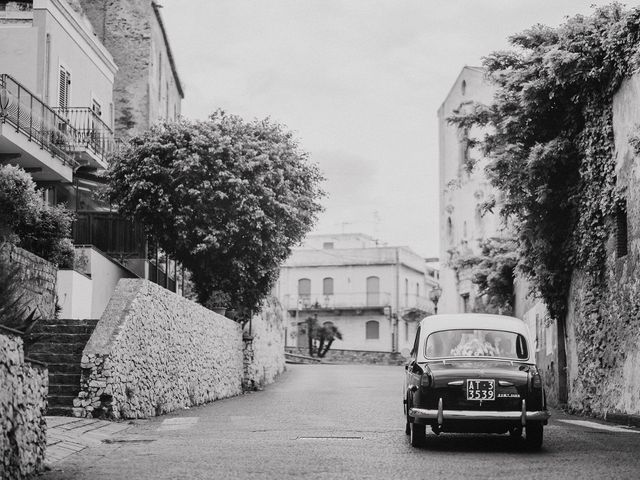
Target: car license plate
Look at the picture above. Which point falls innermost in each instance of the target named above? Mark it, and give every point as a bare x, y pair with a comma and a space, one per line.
481, 389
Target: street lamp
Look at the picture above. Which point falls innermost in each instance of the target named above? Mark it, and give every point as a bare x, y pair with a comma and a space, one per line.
434, 296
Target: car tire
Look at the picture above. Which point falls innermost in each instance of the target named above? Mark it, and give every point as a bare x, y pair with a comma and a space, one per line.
515, 432
418, 434
535, 433
408, 422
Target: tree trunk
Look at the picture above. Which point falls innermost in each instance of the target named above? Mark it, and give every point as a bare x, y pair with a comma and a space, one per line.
563, 394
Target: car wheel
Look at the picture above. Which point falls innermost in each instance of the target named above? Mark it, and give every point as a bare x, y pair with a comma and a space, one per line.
418, 434
534, 436
515, 432
407, 425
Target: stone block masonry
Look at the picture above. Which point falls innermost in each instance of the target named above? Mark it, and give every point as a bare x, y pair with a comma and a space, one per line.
23, 400
37, 279
153, 352
264, 346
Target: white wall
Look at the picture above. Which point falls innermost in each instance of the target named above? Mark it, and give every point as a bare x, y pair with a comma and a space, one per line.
461, 193
75, 293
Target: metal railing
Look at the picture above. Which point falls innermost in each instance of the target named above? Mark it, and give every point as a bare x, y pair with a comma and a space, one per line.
339, 300
89, 131
110, 232
30, 116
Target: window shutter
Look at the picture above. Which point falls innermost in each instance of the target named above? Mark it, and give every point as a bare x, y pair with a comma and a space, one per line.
64, 88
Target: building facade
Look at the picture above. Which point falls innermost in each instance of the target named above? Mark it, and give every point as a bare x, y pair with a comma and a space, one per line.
464, 224
147, 87
373, 294
72, 85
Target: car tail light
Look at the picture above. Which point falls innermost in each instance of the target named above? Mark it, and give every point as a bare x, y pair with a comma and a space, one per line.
536, 381
426, 380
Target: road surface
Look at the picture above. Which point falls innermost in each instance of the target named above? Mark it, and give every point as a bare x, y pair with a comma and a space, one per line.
340, 422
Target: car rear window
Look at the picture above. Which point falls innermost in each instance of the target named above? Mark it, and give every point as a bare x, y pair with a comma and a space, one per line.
477, 343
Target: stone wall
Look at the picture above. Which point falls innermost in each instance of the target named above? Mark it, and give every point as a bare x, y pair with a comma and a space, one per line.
22, 406
153, 352
355, 356
603, 347
37, 279
264, 346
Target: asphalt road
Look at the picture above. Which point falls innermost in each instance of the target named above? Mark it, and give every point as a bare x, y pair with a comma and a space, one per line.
340, 422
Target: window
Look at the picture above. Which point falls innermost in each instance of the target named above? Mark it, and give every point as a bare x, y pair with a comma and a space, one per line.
449, 231
304, 291
327, 245
621, 229
464, 229
417, 291
406, 292
64, 88
96, 108
327, 286
372, 330
477, 343
373, 291
463, 87
465, 302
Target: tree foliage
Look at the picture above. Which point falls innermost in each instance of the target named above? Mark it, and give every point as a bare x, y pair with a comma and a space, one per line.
26, 220
493, 271
550, 141
225, 197
321, 337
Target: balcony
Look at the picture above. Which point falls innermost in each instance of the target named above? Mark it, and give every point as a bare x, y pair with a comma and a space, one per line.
340, 301
32, 135
111, 233
91, 140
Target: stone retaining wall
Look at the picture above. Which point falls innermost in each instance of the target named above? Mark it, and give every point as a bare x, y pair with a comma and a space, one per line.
37, 279
264, 346
153, 352
23, 395
356, 356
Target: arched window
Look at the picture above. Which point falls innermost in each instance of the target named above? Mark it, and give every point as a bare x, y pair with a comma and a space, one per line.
463, 87
372, 330
327, 286
373, 291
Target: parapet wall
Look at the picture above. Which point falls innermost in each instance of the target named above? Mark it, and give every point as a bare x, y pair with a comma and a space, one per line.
264, 346
37, 279
23, 395
153, 352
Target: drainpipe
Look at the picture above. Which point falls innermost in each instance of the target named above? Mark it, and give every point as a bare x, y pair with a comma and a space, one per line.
47, 61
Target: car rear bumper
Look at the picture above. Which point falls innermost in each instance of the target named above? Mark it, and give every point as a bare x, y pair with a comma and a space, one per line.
478, 415
440, 415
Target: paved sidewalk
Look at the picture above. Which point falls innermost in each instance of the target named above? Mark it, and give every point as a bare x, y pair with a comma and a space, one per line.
69, 435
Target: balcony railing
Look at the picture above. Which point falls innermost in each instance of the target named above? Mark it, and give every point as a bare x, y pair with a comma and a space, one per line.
337, 301
39, 123
89, 131
110, 232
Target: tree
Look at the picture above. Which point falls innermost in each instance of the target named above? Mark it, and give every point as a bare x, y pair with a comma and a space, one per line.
493, 271
225, 197
321, 337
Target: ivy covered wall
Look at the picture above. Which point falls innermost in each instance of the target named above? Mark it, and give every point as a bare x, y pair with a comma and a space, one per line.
604, 346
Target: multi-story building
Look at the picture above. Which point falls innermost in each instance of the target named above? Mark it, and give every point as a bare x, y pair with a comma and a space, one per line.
464, 224
64, 90
147, 86
373, 294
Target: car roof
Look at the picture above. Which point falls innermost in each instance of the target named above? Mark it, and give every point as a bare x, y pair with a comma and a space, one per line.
467, 321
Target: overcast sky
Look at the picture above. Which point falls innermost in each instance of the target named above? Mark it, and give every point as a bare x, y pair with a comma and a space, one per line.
359, 81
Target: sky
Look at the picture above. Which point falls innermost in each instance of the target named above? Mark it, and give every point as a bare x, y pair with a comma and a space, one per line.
358, 81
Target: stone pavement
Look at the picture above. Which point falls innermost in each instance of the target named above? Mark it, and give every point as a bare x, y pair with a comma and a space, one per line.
69, 435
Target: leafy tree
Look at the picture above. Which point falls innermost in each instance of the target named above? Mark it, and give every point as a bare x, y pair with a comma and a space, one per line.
493, 271
225, 197
321, 337
550, 141
26, 220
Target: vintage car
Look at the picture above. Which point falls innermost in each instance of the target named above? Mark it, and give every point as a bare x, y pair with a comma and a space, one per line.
474, 373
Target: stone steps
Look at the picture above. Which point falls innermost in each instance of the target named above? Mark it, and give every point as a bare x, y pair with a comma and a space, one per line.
59, 343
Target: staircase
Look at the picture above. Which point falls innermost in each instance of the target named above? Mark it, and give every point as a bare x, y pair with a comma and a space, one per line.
59, 343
